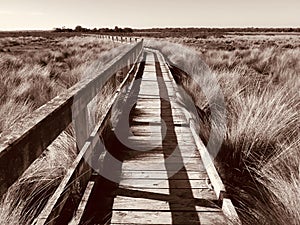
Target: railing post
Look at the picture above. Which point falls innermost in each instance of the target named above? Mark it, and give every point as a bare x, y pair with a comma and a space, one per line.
128, 63
81, 125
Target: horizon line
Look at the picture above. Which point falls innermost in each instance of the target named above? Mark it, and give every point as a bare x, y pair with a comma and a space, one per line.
171, 27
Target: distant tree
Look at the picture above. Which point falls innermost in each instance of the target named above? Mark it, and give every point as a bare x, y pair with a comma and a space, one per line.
128, 30
63, 29
79, 29
57, 29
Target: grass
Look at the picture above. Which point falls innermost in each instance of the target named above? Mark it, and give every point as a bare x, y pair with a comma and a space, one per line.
259, 159
28, 80
32, 78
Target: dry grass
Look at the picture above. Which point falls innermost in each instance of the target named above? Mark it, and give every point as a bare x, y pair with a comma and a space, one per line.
232, 42
259, 159
30, 79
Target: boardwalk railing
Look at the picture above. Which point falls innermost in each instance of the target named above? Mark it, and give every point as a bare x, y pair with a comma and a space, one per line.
121, 39
26, 140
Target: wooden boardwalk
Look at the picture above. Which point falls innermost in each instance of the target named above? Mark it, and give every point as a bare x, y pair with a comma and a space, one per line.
155, 168
163, 180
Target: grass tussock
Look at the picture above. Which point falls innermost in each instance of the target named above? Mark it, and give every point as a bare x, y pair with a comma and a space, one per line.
31, 79
259, 158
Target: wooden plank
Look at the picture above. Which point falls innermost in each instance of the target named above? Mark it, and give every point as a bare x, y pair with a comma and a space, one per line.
159, 158
160, 175
180, 131
155, 134
155, 129
145, 140
140, 152
142, 104
164, 184
149, 93
145, 96
122, 203
198, 194
157, 217
147, 114
177, 121
169, 139
152, 166
136, 154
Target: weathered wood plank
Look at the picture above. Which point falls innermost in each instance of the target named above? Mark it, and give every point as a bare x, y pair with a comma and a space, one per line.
198, 194
157, 217
145, 204
156, 166
159, 159
164, 184
161, 175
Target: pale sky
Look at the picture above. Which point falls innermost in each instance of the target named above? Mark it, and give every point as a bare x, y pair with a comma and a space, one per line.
47, 14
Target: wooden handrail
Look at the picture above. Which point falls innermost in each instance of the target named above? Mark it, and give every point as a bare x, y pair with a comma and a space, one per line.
26, 140
121, 39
